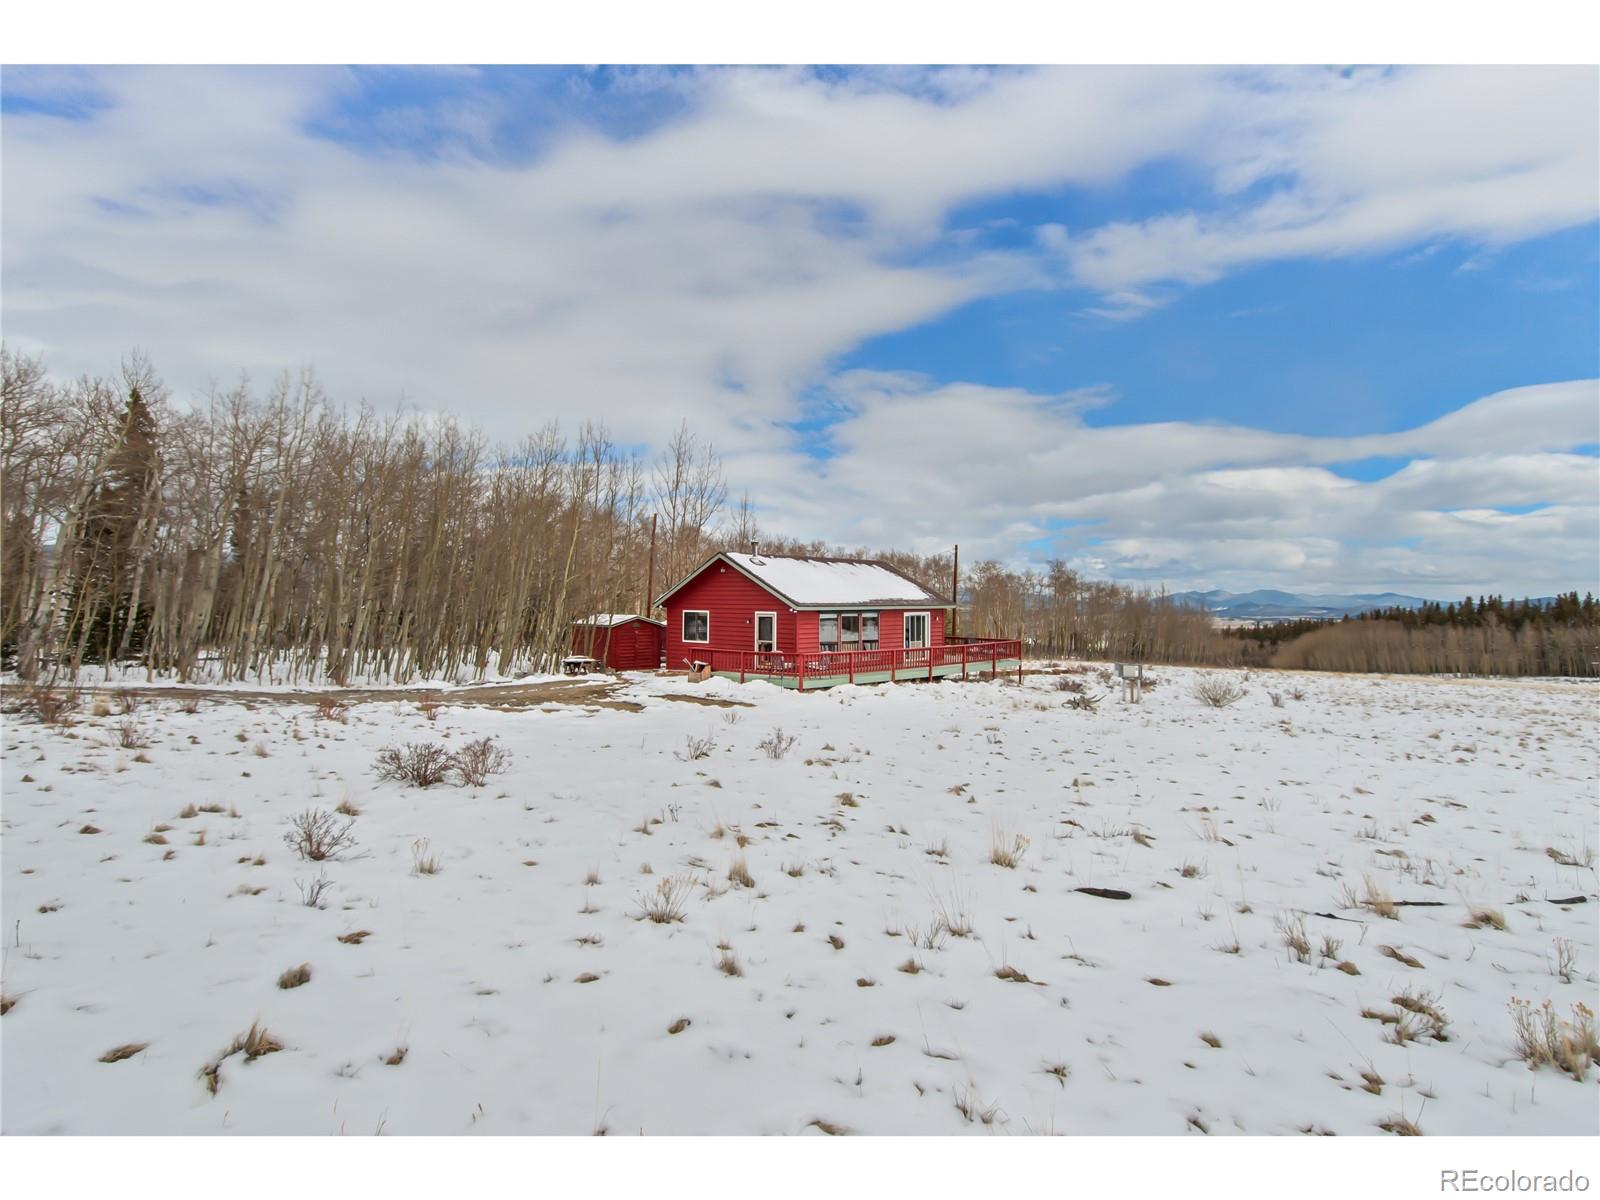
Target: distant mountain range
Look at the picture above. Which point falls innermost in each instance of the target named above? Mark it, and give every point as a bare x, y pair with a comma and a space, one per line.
1265, 604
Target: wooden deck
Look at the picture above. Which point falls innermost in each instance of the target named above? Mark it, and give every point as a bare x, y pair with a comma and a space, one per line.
960, 660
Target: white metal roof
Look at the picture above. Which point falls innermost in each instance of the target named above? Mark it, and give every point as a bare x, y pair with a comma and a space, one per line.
828, 582
615, 619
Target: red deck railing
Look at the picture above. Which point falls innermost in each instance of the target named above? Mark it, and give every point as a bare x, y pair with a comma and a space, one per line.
826, 667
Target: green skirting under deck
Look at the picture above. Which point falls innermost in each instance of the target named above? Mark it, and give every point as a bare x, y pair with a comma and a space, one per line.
974, 670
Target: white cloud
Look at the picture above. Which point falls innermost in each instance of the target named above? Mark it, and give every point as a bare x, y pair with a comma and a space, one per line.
1204, 505
1366, 164
713, 266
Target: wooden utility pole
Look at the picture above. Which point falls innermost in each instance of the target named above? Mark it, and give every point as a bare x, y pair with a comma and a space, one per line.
650, 573
955, 586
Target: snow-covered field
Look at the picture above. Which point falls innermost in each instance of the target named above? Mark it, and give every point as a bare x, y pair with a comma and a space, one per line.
876, 973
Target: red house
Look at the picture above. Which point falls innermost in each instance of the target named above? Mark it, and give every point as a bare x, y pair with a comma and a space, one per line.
621, 641
814, 622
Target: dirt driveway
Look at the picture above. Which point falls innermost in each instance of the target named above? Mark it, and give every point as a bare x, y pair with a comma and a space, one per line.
589, 692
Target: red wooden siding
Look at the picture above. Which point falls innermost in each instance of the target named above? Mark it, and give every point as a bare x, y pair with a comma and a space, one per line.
634, 645
732, 600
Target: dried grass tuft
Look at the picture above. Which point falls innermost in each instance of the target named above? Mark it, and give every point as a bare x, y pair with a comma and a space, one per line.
1544, 1038
118, 1053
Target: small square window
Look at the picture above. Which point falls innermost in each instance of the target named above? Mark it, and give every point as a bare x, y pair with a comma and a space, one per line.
696, 626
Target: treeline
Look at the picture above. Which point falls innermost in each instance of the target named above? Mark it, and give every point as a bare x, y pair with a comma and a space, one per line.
1488, 648
1565, 610
276, 531
1489, 636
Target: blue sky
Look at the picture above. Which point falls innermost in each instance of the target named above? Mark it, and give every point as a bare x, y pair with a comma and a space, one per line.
1196, 327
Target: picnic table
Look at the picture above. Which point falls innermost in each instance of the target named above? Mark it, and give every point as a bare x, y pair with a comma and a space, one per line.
579, 664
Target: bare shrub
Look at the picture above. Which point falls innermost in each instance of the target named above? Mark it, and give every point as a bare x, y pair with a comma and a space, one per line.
1276, 698
54, 707
295, 976
419, 764
1066, 683
131, 735
1218, 691
317, 835
478, 760
697, 748
776, 744
429, 704
127, 700
1546, 1039
1565, 962
313, 892
667, 903
190, 704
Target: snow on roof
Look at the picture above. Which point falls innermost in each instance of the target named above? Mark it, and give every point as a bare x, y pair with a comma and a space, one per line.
614, 619
846, 582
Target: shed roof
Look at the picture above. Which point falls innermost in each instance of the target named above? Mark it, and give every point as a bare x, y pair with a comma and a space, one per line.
607, 619
826, 582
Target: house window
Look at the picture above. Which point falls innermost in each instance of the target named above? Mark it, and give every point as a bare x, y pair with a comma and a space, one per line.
847, 631
696, 625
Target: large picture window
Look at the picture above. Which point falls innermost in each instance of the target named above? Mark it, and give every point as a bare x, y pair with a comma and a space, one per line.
847, 631
696, 625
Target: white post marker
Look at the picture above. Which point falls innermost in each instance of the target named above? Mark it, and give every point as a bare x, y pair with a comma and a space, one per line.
1132, 676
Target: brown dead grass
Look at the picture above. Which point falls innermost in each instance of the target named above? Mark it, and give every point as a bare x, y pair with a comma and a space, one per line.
1401, 1126
1400, 956
295, 976
1544, 1038
118, 1053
